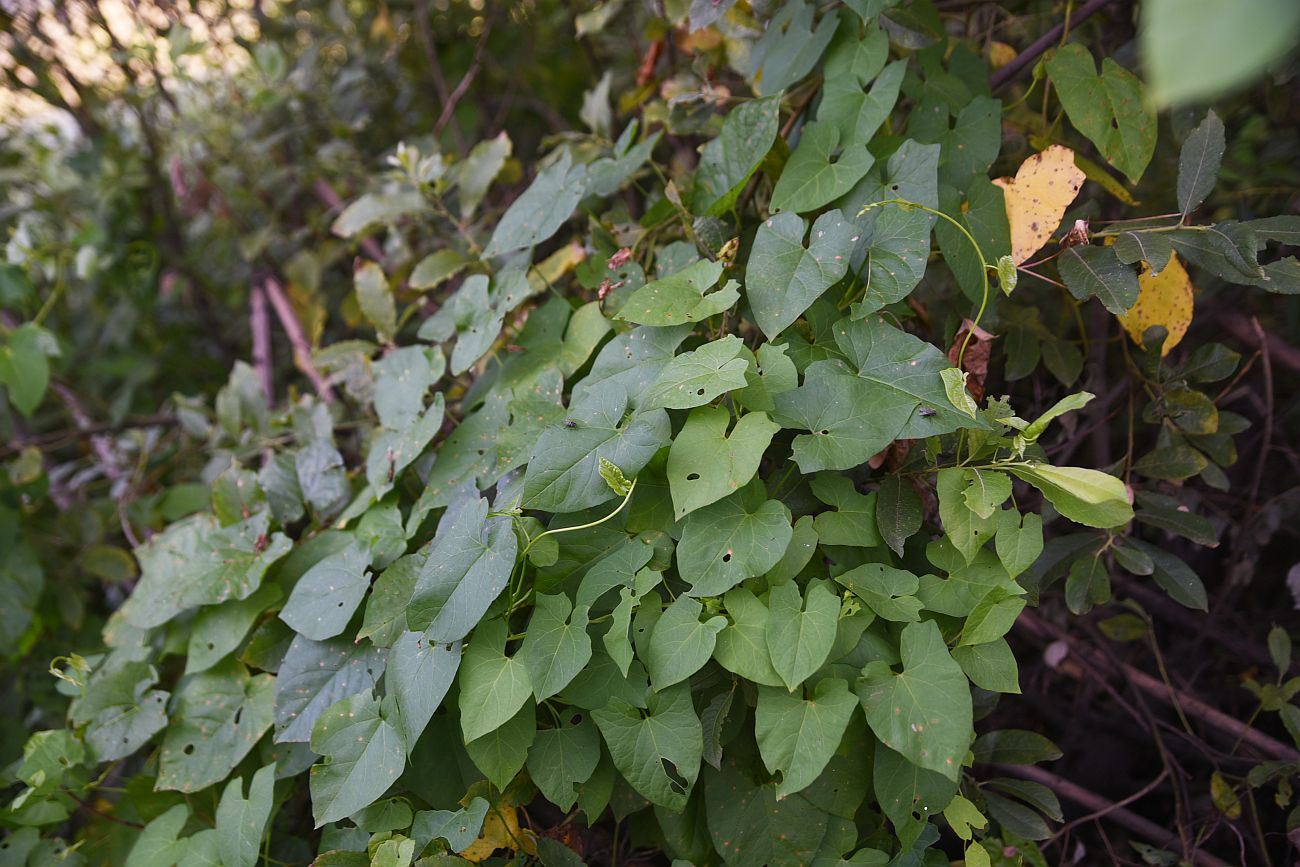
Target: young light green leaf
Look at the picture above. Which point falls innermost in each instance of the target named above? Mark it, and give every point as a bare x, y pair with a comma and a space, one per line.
705, 464
954, 385
614, 477
1069, 403
363, 753
1088, 497
1007, 274
924, 713
797, 737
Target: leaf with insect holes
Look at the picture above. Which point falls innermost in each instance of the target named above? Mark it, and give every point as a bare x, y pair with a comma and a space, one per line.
1110, 109
698, 377
217, 718
705, 464
657, 750
736, 538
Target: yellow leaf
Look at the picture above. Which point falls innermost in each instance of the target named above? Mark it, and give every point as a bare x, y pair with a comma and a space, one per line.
1000, 54
1225, 798
555, 266
500, 831
1165, 299
1037, 197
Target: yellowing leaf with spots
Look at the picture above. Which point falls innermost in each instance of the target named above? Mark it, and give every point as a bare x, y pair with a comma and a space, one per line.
500, 831
1037, 197
1165, 299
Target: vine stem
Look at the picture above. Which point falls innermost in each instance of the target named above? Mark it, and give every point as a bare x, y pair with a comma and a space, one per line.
984, 263
516, 584
626, 497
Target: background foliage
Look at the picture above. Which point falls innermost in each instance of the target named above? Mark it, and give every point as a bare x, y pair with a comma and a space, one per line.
702, 432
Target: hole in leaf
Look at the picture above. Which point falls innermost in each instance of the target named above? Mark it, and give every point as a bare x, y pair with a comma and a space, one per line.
690, 477
211, 646
675, 779
576, 719
239, 713
726, 558
189, 749
699, 392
